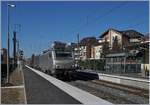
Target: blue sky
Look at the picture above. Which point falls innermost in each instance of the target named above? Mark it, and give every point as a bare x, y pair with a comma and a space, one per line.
44, 22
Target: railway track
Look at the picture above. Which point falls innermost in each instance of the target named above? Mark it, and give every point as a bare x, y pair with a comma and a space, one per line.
115, 93
133, 90
102, 94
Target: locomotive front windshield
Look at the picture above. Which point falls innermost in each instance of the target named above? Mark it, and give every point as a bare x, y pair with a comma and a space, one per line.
63, 55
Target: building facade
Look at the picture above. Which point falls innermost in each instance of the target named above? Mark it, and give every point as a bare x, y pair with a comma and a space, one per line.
85, 47
124, 38
96, 52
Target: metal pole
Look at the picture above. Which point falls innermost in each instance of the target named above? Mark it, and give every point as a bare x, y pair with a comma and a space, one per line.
125, 64
78, 49
78, 40
14, 40
8, 45
18, 50
136, 65
18, 55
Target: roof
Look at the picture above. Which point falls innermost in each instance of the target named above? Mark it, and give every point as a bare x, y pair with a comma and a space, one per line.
146, 37
88, 41
108, 31
132, 34
128, 33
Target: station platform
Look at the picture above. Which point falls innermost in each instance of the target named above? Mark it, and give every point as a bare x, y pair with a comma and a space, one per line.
119, 79
45, 89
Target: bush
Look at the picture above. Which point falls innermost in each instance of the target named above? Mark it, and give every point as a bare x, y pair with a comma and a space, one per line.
92, 64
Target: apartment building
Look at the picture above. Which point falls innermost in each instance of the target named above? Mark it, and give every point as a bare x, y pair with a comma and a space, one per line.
85, 47
92, 48
124, 38
96, 51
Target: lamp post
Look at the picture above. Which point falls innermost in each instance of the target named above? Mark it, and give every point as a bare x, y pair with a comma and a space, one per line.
78, 51
8, 40
18, 55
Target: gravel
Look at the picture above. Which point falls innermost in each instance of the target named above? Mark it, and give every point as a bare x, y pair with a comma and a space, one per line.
110, 94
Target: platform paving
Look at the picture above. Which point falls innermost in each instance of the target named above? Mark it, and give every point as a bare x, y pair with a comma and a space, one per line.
14, 93
41, 91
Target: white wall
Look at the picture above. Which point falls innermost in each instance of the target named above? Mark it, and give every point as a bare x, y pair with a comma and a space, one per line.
113, 34
98, 51
135, 82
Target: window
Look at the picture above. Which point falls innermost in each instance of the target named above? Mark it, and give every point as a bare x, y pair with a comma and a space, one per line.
63, 54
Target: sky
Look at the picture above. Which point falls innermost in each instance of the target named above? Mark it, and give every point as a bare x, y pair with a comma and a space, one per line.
39, 23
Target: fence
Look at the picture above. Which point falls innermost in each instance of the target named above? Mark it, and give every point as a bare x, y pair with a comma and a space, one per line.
92, 64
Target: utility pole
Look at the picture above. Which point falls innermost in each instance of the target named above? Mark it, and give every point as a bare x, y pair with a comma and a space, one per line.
78, 45
8, 46
14, 40
8, 40
18, 55
78, 38
18, 49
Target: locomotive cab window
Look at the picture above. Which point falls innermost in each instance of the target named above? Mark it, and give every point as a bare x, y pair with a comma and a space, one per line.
63, 55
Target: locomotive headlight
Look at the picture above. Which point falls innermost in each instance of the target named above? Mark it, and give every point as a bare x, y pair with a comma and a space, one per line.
73, 66
57, 66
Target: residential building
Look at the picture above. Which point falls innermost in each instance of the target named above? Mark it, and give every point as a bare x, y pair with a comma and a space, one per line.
146, 38
58, 45
84, 52
145, 66
123, 38
96, 51
70, 46
92, 48
134, 60
130, 56
85, 47
76, 53
134, 36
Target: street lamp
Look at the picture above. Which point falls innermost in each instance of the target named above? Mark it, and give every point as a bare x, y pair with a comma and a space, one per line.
8, 43
11, 5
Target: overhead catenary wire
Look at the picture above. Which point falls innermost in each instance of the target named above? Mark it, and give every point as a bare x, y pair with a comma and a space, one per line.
133, 18
101, 16
106, 14
137, 24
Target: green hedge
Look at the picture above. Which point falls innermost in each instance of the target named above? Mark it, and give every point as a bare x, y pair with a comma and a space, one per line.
92, 64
